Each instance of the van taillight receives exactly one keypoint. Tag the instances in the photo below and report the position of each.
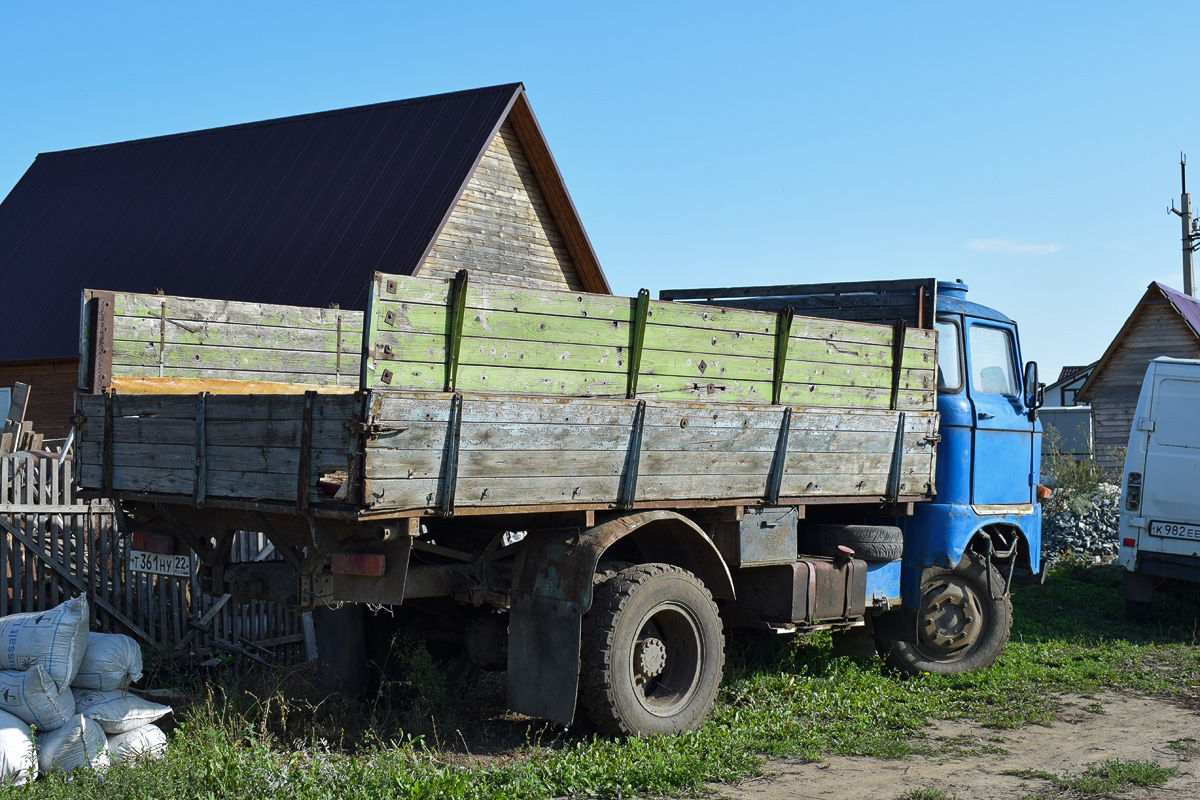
(1133, 491)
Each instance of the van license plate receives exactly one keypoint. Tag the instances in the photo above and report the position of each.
(1175, 530)
(159, 564)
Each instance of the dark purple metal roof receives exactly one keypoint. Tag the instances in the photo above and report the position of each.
(296, 211)
(1188, 307)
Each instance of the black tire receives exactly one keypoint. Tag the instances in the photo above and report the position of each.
(652, 653)
(1138, 590)
(869, 542)
(960, 626)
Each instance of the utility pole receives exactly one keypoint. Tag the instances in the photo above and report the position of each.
(1190, 235)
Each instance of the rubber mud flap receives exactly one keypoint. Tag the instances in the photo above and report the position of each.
(543, 657)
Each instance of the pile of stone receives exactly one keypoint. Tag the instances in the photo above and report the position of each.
(65, 701)
(1082, 526)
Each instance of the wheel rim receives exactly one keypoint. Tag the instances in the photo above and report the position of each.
(952, 618)
(664, 661)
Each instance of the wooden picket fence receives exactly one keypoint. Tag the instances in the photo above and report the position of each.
(54, 546)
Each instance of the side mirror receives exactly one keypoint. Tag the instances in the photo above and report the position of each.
(1033, 390)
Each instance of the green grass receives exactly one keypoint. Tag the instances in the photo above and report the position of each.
(1107, 778)
(442, 731)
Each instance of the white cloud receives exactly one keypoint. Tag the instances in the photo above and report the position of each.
(1013, 246)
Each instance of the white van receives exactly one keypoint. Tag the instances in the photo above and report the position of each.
(1160, 497)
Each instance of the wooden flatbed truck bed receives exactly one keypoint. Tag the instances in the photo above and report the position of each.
(463, 447)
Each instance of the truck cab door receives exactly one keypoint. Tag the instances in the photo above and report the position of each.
(1003, 436)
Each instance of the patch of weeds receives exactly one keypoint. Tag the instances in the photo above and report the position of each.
(1184, 748)
(926, 793)
(966, 745)
(1109, 777)
(1094, 708)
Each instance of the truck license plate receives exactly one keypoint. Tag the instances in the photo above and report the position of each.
(1175, 530)
(159, 564)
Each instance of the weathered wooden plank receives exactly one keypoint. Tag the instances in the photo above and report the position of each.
(193, 386)
(237, 484)
(284, 461)
(223, 407)
(483, 492)
(204, 374)
(266, 433)
(574, 438)
(539, 463)
(753, 345)
(232, 312)
(216, 334)
(567, 383)
(396, 407)
(184, 358)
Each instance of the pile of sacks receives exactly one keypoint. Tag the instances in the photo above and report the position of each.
(71, 687)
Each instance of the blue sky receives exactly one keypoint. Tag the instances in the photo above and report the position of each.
(1030, 149)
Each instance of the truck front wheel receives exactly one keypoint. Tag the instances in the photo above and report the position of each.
(652, 652)
(960, 627)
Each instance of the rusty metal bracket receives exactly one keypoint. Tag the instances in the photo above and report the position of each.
(458, 310)
(640, 313)
(337, 367)
(302, 472)
(162, 338)
(200, 482)
(893, 484)
(899, 329)
(106, 458)
(633, 457)
(448, 480)
(783, 333)
(779, 462)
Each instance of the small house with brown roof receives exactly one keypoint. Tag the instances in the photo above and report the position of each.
(295, 211)
(1163, 323)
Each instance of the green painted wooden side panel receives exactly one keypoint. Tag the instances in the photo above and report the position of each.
(157, 336)
(572, 344)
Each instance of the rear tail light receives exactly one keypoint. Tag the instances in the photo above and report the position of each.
(357, 564)
(1133, 491)
(153, 542)
(1128, 542)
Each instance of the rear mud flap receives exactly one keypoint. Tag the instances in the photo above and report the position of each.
(543, 657)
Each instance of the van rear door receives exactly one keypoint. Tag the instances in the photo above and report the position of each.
(1171, 478)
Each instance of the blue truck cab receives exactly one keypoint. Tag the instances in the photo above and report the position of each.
(989, 453)
(944, 605)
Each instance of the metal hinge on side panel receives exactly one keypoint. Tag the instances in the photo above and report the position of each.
(1144, 424)
(372, 429)
(1032, 478)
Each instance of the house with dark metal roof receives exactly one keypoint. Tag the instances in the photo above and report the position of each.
(295, 211)
(1165, 322)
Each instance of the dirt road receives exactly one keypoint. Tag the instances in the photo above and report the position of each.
(1090, 731)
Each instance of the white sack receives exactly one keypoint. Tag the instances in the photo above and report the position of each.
(33, 697)
(18, 759)
(112, 661)
(118, 711)
(147, 741)
(79, 743)
(56, 639)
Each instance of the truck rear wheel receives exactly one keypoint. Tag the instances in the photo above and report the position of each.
(960, 626)
(652, 653)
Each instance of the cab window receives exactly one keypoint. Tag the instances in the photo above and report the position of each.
(949, 356)
(992, 362)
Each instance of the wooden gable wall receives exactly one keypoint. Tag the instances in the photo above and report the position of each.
(502, 228)
(1156, 330)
